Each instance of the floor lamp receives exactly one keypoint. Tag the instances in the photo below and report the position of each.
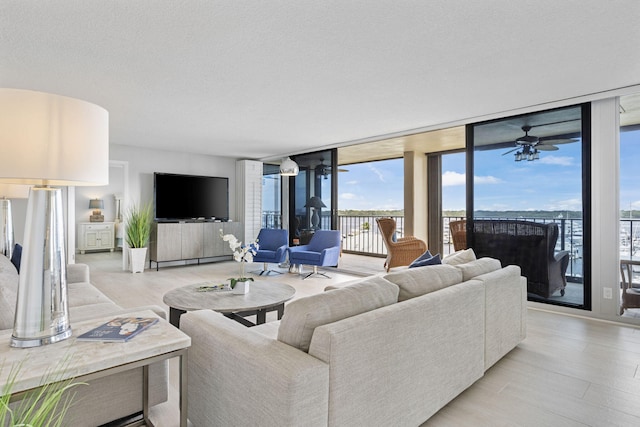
(48, 141)
(8, 192)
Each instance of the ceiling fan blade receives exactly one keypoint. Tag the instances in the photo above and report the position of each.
(541, 147)
(559, 141)
(510, 151)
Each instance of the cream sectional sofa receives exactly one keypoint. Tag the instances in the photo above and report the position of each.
(106, 399)
(386, 350)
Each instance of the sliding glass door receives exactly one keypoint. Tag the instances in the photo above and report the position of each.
(534, 169)
(312, 195)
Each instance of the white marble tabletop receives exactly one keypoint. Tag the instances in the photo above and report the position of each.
(262, 294)
(71, 358)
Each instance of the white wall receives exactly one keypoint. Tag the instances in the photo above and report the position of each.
(105, 193)
(144, 162)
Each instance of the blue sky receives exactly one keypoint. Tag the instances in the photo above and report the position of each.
(551, 183)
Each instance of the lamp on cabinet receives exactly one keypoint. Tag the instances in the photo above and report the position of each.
(96, 205)
(48, 141)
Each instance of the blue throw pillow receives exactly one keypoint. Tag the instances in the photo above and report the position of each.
(426, 255)
(434, 260)
(394, 238)
(16, 256)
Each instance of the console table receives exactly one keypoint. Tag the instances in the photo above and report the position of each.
(90, 359)
(190, 240)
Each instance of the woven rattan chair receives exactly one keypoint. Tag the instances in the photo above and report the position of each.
(458, 231)
(400, 251)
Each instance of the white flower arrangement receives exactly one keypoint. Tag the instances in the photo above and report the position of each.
(241, 253)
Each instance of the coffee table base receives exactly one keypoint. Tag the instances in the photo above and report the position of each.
(261, 315)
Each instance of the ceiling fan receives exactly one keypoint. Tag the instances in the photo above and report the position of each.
(325, 170)
(529, 146)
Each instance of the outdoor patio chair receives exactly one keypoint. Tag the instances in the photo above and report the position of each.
(458, 233)
(400, 250)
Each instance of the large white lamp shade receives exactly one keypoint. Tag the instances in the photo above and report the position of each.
(48, 140)
(8, 192)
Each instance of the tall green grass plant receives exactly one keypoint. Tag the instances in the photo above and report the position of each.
(139, 219)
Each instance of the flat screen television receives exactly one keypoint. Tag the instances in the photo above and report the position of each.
(182, 197)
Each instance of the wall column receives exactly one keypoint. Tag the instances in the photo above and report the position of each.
(415, 195)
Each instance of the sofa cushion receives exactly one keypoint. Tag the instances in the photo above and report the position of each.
(83, 293)
(460, 257)
(304, 315)
(420, 281)
(432, 260)
(480, 266)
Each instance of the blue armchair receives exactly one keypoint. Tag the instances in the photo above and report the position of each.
(323, 250)
(272, 248)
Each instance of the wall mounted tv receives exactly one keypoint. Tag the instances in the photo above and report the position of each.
(183, 197)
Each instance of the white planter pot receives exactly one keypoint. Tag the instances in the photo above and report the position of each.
(241, 287)
(137, 259)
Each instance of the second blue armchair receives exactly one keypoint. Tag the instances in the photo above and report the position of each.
(322, 250)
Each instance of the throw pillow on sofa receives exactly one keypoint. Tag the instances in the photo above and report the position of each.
(478, 267)
(415, 282)
(302, 316)
(460, 257)
(426, 259)
(16, 256)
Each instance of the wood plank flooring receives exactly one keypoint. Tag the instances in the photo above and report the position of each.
(569, 371)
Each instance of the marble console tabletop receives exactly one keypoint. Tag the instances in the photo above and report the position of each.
(86, 357)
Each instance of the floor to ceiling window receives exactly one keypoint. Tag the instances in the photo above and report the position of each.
(271, 196)
(529, 170)
(630, 206)
(311, 195)
(453, 194)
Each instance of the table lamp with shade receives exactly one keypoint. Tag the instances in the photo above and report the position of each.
(8, 192)
(48, 140)
(97, 205)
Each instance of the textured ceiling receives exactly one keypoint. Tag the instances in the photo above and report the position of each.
(257, 79)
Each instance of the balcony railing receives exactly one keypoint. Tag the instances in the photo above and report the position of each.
(360, 235)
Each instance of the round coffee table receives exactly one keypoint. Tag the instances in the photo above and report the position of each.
(263, 296)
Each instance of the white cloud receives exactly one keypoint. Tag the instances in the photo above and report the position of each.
(451, 179)
(354, 182)
(486, 180)
(556, 160)
(348, 196)
(377, 172)
(568, 204)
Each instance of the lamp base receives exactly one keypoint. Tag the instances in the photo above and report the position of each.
(42, 313)
(37, 342)
(96, 218)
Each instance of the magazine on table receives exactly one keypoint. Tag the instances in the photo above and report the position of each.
(119, 329)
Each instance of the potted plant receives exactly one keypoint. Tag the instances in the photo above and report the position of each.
(138, 231)
(241, 253)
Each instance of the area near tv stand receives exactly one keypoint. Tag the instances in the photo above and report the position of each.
(196, 240)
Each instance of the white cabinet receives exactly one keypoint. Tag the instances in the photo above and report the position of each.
(96, 236)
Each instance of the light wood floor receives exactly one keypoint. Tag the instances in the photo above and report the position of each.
(569, 371)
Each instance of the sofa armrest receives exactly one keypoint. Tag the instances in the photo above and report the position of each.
(240, 377)
(77, 273)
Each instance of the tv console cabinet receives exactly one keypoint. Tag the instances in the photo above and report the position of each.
(190, 240)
